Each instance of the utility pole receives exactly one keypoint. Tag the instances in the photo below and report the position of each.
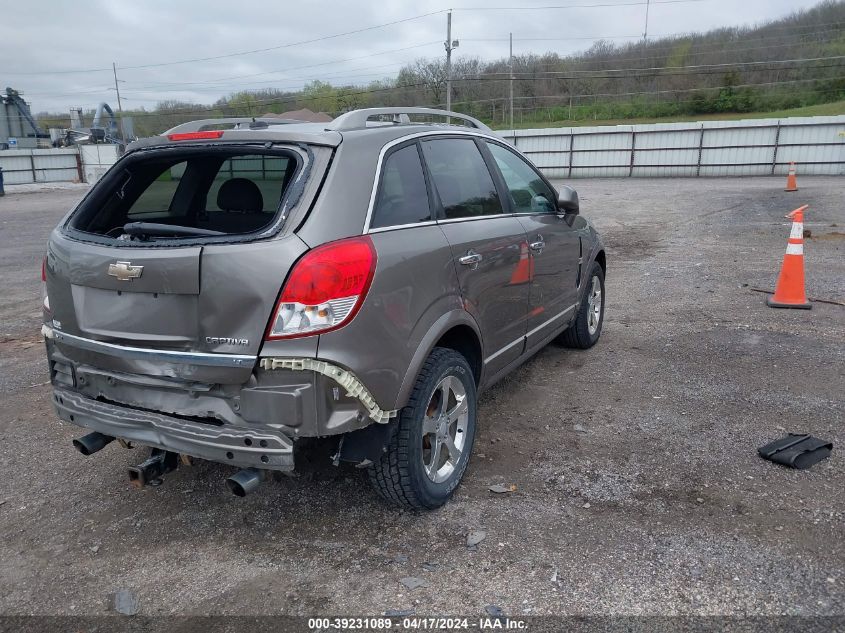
(511, 81)
(645, 32)
(449, 44)
(119, 104)
(117, 88)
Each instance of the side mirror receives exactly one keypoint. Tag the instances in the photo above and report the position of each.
(567, 200)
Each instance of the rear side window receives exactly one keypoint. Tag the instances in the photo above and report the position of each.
(402, 197)
(461, 178)
(155, 202)
(225, 192)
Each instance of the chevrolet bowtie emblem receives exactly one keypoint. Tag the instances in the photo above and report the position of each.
(125, 271)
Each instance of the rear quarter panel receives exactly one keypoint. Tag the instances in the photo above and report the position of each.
(414, 286)
(341, 209)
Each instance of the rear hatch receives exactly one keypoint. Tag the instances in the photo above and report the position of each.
(172, 264)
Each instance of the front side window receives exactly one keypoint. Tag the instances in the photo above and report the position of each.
(528, 192)
(402, 197)
(461, 178)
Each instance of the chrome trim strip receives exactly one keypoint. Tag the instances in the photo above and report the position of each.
(521, 339)
(554, 318)
(476, 218)
(140, 353)
(399, 141)
(399, 227)
(534, 331)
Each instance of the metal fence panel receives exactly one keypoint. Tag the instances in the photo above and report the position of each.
(96, 160)
(710, 148)
(17, 166)
(39, 165)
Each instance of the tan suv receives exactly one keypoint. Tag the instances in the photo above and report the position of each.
(235, 285)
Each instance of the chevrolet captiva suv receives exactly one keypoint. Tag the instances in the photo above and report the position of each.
(233, 286)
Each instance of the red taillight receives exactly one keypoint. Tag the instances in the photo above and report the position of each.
(325, 289)
(196, 136)
(45, 300)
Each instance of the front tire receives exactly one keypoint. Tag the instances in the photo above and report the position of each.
(586, 329)
(426, 458)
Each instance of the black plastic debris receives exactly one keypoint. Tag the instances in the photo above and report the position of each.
(796, 450)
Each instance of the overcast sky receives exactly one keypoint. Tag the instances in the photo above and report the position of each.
(42, 41)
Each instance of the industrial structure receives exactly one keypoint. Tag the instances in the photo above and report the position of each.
(18, 129)
(99, 132)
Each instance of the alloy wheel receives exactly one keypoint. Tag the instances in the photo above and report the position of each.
(444, 429)
(594, 307)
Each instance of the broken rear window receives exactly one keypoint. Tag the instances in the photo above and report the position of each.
(169, 195)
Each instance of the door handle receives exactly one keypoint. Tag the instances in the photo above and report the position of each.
(538, 246)
(471, 259)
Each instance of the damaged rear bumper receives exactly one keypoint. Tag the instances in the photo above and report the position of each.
(142, 395)
(227, 444)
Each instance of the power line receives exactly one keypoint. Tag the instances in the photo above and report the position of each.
(702, 70)
(241, 53)
(646, 92)
(672, 37)
(272, 72)
(697, 48)
(638, 3)
(697, 66)
(618, 54)
(273, 101)
(289, 45)
(332, 75)
(352, 93)
(639, 76)
(210, 83)
(351, 32)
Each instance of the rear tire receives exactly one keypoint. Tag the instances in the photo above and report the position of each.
(586, 329)
(426, 458)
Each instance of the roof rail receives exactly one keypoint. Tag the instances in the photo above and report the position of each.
(202, 124)
(357, 119)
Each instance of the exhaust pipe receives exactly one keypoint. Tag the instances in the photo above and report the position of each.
(245, 481)
(159, 463)
(91, 443)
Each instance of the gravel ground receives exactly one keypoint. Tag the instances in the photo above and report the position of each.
(638, 486)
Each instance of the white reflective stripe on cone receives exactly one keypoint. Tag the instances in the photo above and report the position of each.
(797, 230)
(794, 249)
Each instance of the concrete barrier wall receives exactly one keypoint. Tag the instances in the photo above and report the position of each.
(754, 147)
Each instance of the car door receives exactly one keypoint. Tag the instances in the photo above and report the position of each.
(488, 246)
(554, 246)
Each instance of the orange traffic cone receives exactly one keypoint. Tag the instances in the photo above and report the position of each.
(789, 292)
(524, 271)
(791, 180)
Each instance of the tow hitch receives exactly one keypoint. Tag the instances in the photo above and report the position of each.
(149, 472)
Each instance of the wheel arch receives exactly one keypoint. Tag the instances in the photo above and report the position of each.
(455, 330)
(601, 258)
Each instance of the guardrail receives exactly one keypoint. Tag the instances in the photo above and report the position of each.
(753, 147)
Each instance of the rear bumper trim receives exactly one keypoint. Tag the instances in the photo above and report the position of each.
(141, 353)
(239, 446)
